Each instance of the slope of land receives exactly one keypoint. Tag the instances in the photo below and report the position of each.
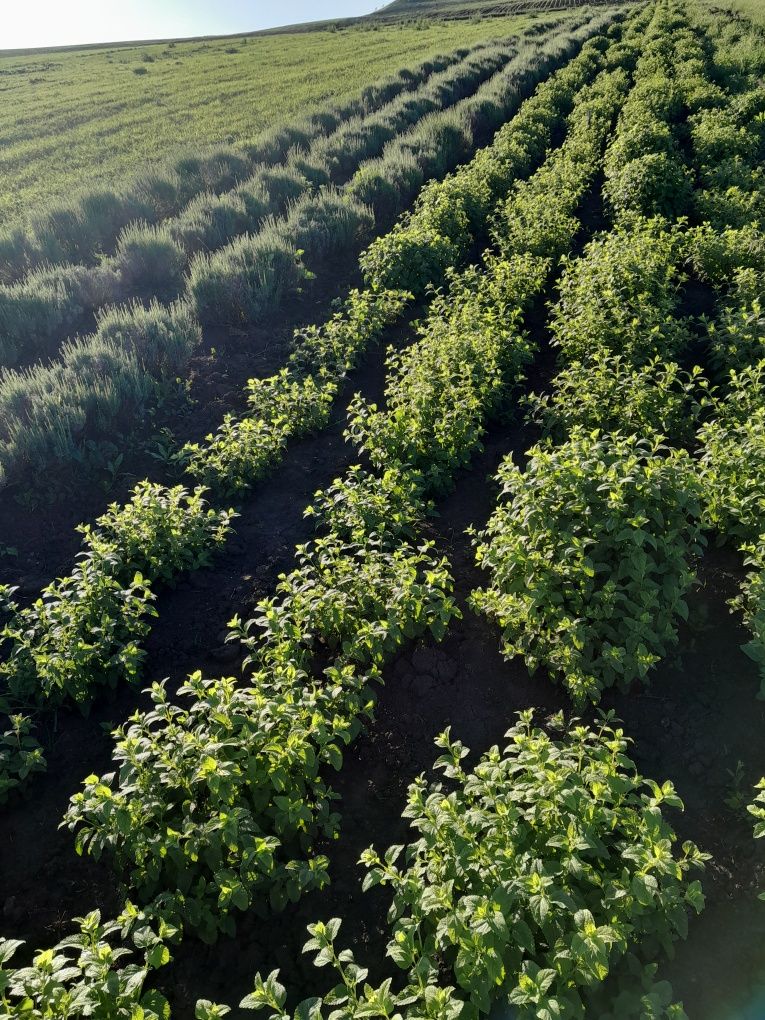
(752, 9)
(122, 107)
(407, 9)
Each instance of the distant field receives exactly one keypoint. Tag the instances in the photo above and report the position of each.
(71, 118)
(469, 8)
(754, 9)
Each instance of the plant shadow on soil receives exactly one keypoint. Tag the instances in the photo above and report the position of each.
(42, 530)
(698, 717)
(695, 721)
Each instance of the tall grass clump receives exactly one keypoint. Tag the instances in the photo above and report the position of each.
(209, 221)
(283, 185)
(98, 383)
(245, 280)
(163, 338)
(80, 229)
(149, 261)
(311, 166)
(50, 302)
(326, 223)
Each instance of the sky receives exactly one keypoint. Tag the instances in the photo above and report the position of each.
(28, 23)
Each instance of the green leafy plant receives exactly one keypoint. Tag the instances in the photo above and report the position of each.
(533, 878)
(732, 457)
(20, 753)
(622, 296)
(243, 449)
(84, 632)
(224, 799)
(605, 392)
(590, 557)
(85, 975)
(160, 532)
(297, 399)
(441, 390)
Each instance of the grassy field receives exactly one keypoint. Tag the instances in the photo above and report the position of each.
(467, 8)
(122, 107)
(753, 9)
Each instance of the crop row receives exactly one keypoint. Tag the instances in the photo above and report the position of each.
(365, 585)
(283, 406)
(83, 228)
(47, 410)
(240, 450)
(151, 260)
(333, 622)
(474, 891)
(591, 551)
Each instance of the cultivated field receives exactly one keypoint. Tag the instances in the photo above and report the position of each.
(420, 599)
(751, 9)
(120, 108)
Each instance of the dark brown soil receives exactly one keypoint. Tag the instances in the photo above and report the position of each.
(698, 718)
(39, 522)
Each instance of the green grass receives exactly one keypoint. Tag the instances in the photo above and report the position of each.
(72, 118)
(468, 8)
(752, 9)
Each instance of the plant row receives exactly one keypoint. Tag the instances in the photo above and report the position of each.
(591, 550)
(285, 405)
(151, 260)
(251, 759)
(85, 631)
(545, 935)
(46, 411)
(243, 447)
(89, 225)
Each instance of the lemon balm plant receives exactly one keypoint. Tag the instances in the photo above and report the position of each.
(733, 457)
(731, 461)
(605, 391)
(88, 973)
(441, 390)
(534, 877)
(20, 753)
(220, 802)
(295, 400)
(84, 632)
(590, 556)
(160, 531)
(622, 295)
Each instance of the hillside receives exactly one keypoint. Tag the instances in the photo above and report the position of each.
(462, 9)
(73, 118)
